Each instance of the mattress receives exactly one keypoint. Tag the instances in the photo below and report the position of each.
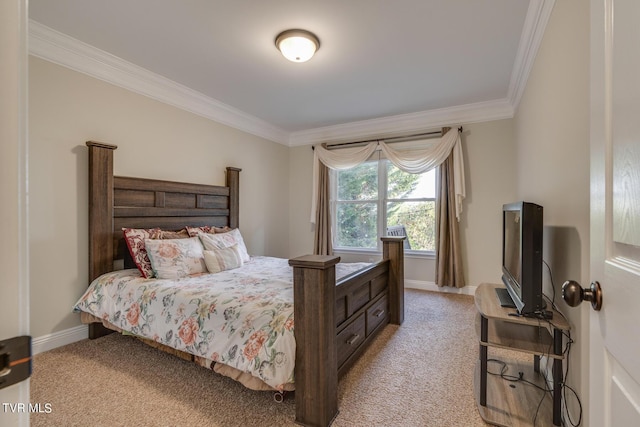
(240, 318)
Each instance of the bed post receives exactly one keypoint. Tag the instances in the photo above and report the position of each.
(316, 369)
(100, 216)
(233, 182)
(393, 250)
(100, 208)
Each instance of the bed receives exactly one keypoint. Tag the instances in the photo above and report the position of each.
(337, 311)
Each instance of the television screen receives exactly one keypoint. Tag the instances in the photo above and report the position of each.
(512, 244)
(522, 255)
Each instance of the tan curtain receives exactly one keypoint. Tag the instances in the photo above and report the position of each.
(339, 160)
(322, 241)
(449, 270)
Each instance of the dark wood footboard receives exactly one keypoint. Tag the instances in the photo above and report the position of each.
(335, 322)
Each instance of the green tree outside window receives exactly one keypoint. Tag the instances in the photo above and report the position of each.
(378, 187)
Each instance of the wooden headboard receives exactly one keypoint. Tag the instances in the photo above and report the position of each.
(116, 202)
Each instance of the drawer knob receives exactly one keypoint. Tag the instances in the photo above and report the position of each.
(353, 339)
(378, 313)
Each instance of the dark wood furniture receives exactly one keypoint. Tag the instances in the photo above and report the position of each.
(334, 322)
(506, 403)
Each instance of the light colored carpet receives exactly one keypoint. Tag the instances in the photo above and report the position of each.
(418, 374)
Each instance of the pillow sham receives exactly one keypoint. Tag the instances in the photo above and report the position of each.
(135, 239)
(164, 234)
(194, 231)
(222, 259)
(175, 258)
(225, 240)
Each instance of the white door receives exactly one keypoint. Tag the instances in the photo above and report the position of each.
(14, 289)
(615, 212)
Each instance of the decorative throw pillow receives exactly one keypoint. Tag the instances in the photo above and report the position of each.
(225, 240)
(164, 234)
(135, 238)
(175, 258)
(194, 231)
(222, 259)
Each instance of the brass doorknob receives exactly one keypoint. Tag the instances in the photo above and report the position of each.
(574, 294)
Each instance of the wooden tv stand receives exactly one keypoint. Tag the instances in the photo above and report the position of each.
(508, 403)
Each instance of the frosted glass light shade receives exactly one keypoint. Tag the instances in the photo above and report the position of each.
(297, 45)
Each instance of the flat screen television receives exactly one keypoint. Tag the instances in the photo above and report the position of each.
(522, 255)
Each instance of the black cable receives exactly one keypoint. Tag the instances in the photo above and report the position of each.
(544, 376)
(566, 352)
(553, 287)
(579, 405)
(511, 378)
(565, 386)
(535, 417)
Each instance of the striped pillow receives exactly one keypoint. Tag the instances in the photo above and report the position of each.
(223, 259)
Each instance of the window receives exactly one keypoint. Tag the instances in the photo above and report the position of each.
(376, 197)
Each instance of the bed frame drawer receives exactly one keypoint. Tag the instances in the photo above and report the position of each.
(350, 338)
(378, 284)
(359, 298)
(354, 297)
(377, 314)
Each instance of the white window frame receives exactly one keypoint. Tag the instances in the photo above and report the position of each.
(381, 208)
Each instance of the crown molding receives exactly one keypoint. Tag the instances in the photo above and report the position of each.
(535, 24)
(61, 49)
(406, 123)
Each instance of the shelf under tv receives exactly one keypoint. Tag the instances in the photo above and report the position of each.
(506, 403)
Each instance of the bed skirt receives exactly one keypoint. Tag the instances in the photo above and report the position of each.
(247, 380)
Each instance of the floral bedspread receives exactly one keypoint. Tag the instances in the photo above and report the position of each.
(241, 317)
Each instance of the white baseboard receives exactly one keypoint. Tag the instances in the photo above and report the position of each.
(431, 286)
(58, 339)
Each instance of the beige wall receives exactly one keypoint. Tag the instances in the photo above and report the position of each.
(490, 171)
(489, 163)
(552, 138)
(300, 183)
(154, 140)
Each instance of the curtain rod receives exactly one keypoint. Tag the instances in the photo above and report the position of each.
(434, 134)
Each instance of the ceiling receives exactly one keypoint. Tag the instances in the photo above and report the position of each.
(382, 66)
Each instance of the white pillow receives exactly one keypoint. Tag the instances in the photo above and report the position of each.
(222, 259)
(224, 240)
(175, 258)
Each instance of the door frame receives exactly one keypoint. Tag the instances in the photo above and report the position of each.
(14, 312)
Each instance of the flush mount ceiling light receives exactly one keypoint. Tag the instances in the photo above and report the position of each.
(297, 45)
